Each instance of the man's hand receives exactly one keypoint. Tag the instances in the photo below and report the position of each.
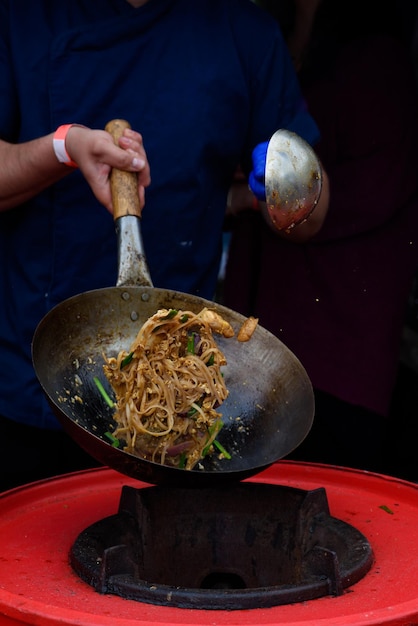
(96, 154)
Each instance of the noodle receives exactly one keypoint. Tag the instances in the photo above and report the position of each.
(168, 387)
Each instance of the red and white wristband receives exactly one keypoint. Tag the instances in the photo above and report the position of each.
(58, 144)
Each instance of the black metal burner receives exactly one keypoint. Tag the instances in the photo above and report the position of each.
(252, 545)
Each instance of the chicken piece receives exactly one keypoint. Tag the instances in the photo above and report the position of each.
(247, 329)
(217, 323)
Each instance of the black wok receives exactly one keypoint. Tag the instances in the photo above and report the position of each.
(270, 406)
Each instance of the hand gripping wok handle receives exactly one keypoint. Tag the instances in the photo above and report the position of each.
(123, 185)
(132, 264)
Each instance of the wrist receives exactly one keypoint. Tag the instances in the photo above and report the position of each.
(58, 143)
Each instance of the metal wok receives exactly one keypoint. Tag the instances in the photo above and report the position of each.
(270, 406)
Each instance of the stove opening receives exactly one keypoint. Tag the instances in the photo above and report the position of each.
(221, 580)
(251, 545)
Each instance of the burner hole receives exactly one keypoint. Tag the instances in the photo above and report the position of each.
(222, 580)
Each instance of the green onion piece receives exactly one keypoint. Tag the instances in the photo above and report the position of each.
(221, 449)
(113, 439)
(211, 359)
(182, 460)
(216, 427)
(192, 411)
(212, 430)
(172, 313)
(190, 343)
(102, 390)
(386, 509)
(126, 360)
(184, 318)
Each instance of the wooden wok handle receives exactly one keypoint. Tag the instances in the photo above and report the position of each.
(123, 185)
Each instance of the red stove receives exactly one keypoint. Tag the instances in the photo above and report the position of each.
(42, 525)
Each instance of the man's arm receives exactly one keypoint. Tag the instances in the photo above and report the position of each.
(29, 168)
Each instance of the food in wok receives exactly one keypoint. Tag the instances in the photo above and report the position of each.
(169, 386)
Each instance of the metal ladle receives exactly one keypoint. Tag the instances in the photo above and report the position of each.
(293, 179)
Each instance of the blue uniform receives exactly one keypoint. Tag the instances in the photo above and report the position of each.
(204, 81)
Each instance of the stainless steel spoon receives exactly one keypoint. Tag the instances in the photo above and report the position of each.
(293, 179)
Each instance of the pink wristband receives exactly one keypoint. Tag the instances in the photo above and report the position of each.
(58, 143)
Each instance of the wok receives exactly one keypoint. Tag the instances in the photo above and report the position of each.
(270, 406)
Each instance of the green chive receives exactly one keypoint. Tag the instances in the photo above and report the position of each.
(113, 439)
(221, 449)
(190, 343)
(216, 427)
(126, 360)
(184, 318)
(172, 313)
(102, 390)
(182, 460)
(386, 509)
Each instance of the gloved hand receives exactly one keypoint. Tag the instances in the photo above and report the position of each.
(256, 179)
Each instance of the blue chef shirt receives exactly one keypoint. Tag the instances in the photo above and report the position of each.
(203, 81)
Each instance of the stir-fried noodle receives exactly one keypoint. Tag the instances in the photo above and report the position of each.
(168, 387)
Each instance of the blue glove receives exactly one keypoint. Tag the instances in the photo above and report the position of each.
(256, 179)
